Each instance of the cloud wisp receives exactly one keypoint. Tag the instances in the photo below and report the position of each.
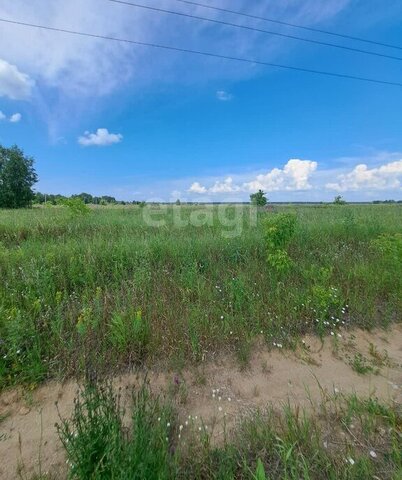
(224, 96)
(87, 67)
(13, 83)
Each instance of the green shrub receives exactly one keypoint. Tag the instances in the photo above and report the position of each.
(279, 230)
(76, 206)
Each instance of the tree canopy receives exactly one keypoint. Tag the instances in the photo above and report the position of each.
(17, 176)
(258, 198)
(338, 200)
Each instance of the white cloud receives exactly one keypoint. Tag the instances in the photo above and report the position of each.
(13, 83)
(385, 177)
(101, 138)
(15, 117)
(196, 187)
(294, 176)
(227, 186)
(223, 96)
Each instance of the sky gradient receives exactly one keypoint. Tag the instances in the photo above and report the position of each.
(140, 123)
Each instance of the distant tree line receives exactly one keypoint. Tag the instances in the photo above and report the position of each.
(55, 199)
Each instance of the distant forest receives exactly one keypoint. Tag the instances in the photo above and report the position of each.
(87, 198)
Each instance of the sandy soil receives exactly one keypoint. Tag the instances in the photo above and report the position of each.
(28, 439)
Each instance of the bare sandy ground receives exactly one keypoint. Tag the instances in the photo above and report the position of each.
(211, 393)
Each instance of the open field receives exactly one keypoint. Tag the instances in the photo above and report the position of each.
(179, 290)
(108, 290)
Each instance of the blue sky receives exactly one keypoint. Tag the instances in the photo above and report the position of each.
(139, 123)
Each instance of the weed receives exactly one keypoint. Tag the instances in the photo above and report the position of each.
(360, 364)
(379, 359)
(279, 230)
(98, 446)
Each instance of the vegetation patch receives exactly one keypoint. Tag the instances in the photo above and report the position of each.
(106, 290)
(346, 438)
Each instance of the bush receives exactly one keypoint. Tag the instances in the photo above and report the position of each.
(279, 230)
(259, 199)
(76, 206)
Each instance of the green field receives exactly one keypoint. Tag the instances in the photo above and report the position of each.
(107, 290)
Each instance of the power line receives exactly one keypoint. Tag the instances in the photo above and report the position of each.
(288, 24)
(201, 53)
(254, 29)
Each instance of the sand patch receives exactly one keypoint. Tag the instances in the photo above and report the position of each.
(214, 393)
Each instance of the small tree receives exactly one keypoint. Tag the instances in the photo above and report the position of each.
(76, 205)
(259, 199)
(17, 176)
(338, 200)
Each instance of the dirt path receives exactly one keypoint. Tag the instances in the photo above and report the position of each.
(28, 437)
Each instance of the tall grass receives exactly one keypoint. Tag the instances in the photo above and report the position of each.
(98, 445)
(107, 291)
(347, 438)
